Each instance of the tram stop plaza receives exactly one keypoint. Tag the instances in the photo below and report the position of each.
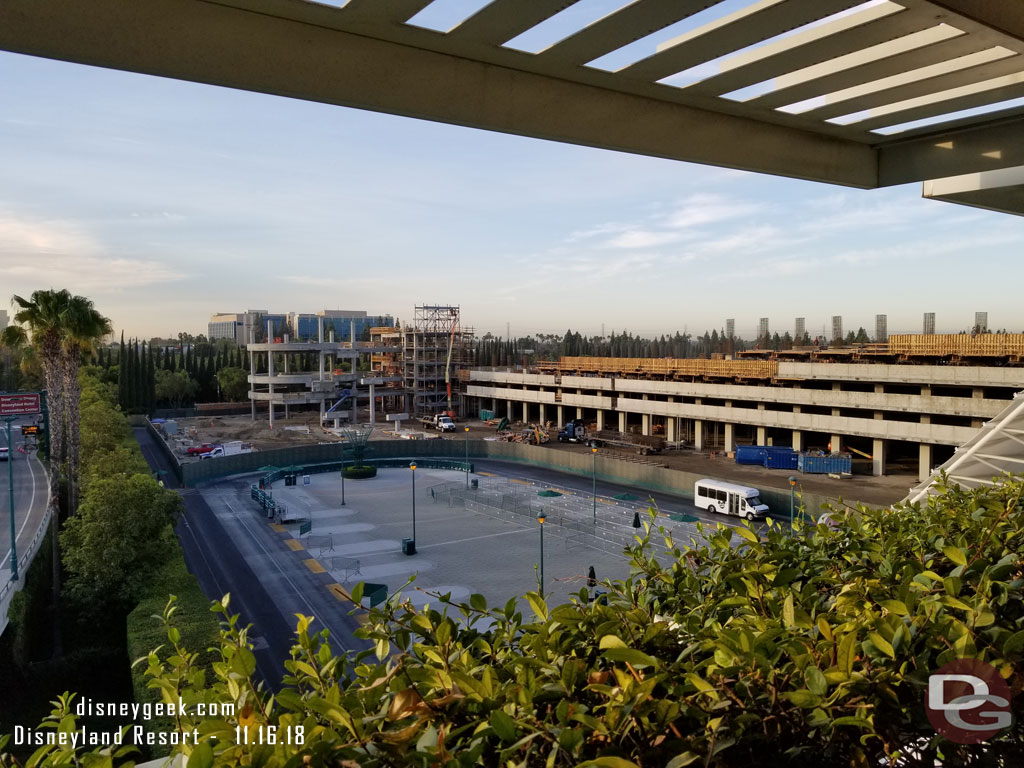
(491, 546)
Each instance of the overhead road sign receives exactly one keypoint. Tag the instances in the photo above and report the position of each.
(20, 404)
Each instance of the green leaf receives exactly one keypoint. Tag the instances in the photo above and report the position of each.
(357, 592)
(846, 653)
(682, 760)
(854, 721)
(1014, 643)
(955, 554)
(788, 613)
(746, 533)
(803, 698)
(816, 682)
(611, 641)
(895, 606)
(631, 656)
(882, 644)
(503, 725)
(479, 602)
(538, 605)
(609, 762)
(202, 756)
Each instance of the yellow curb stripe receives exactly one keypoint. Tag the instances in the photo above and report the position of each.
(605, 501)
(521, 482)
(278, 527)
(314, 565)
(487, 474)
(293, 545)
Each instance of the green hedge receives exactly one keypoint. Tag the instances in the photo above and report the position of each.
(363, 472)
(200, 629)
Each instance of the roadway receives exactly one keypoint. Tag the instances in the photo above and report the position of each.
(30, 496)
(230, 549)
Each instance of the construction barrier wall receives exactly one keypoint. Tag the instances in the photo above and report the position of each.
(161, 443)
(609, 469)
(741, 369)
(962, 344)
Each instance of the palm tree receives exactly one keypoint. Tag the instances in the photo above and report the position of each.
(58, 326)
(84, 327)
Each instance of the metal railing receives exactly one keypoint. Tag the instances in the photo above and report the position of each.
(24, 561)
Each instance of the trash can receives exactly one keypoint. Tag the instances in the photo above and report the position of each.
(408, 546)
(474, 483)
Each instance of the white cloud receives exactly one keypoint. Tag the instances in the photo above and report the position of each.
(39, 253)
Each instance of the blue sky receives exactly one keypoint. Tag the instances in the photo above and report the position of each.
(165, 201)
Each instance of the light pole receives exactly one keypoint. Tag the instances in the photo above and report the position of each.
(594, 451)
(467, 458)
(412, 466)
(343, 482)
(540, 519)
(792, 498)
(10, 485)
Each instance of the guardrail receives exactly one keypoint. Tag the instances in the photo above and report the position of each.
(24, 561)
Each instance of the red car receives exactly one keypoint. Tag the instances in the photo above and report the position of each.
(199, 450)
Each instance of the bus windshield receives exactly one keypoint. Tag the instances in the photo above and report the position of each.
(754, 501)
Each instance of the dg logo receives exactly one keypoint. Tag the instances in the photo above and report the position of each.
(968, 701)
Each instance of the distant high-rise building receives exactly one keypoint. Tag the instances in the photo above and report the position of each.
(730, 328)
(762, 328)
(881, 328)
(800, 329)
(981, 322)
(3, 318)
(929, 323)
(837, 327)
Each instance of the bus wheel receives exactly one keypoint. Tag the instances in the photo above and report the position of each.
(712, 508)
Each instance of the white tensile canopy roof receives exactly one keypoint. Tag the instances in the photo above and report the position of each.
(995, 451)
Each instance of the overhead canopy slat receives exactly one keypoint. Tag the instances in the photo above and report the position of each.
(753, 24)
(919, 88)
(624, 26)
(871, 69)
(501, 20)
(383, 11)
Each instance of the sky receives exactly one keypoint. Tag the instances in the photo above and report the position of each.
(165, 201)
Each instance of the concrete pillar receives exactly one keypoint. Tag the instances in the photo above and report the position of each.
(646, 424)
(252, 372)
(926, 390)
(600, 418)
(270, 371)
(286, 413)
(560, 415)
(526, 413)
(698, 434)
(878, 458)
(670, 429)
(373, 410)
(543, 415)
(798, 440)
(510, 412)
(622, 421)
(579, 413)
(879, 389)
(924, 461)
(287, 367)
(761, 432)
(730, 444)
(836, 444)
(978, 393)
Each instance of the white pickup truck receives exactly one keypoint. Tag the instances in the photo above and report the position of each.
(442, 422)
(228, 449)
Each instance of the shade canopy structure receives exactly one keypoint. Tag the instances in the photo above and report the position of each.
(549, 494)
(994, 452)
(853, 92)
(626, 497)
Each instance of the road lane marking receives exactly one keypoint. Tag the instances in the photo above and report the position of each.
(473, 538)
(340, 592)
(278, 527)
(487, 474)
(314, 565)
(293, 545)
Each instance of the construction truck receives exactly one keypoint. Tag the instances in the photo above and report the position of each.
(576, 432)
(442, 422)
(228, 449)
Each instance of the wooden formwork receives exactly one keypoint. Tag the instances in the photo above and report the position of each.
(958, 344)
(726, 369)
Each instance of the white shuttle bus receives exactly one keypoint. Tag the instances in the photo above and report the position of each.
(728, 499)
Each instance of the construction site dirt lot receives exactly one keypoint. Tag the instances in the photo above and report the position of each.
(304, 429)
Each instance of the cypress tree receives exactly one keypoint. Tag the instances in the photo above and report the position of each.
(122, 379)
(150, 380)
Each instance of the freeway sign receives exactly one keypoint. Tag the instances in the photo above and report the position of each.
(19, 404)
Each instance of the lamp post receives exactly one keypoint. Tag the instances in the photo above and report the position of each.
(540, 519)
(594, 451)
(792, 498)
(412, 466)
(467, 458)
(10, 485)
(343, 482)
